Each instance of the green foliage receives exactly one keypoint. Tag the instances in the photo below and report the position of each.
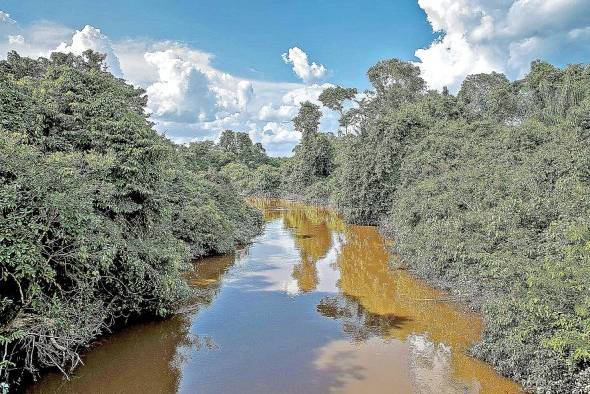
(387, 127)
(307, 119)
(241, 149)
(266, 180)
(238, 162)
(313, 158)
(334, 98)
(488, 95)
(239, 175)
(397, 77)
(99, 214)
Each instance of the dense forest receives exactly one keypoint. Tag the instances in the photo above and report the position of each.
(99, 214)
(486, 194)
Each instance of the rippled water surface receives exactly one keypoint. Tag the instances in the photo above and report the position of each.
(309, 307)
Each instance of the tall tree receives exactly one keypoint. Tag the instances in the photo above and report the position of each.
(334, 98)
(314, 155)
(240, 147)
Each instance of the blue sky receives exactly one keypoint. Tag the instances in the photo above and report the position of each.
(247, 65)
(246, 36)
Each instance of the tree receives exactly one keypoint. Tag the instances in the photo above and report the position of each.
(488, 95)
(307, 119)
(316, 153)
(396, 74)
(266, 181)
(240, 146)
(334, 98)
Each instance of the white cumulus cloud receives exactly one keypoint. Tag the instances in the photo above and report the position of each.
(182, 91)
(501, 35)
(16, 39)
(273, 112)
(311, 93)
(301, 67)
(92, 38)
(190, 99)
(275, 133)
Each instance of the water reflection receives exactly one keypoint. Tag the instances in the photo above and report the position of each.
(357, 322)
(375, 304)
(310, 307)
(313, 240)
(431, 368)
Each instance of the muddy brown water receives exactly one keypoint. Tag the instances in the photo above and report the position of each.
(310, 307)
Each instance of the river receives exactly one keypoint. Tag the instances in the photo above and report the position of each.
(310, 307)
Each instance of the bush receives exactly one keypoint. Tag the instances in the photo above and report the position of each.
(99, 213)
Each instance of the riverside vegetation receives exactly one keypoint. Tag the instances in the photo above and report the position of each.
(99, 214)
(486, 194)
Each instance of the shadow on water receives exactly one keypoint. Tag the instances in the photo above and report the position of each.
(311, 306)
(356, 321)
